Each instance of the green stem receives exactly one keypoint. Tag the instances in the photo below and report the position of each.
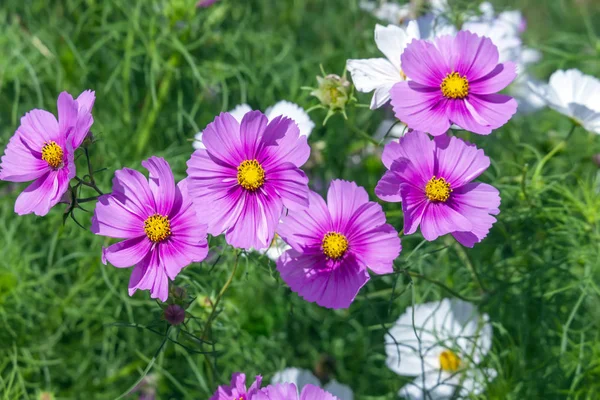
(561, 145)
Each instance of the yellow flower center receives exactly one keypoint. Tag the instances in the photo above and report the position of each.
(437, 189)
(449, 361)
(157, 228)
(335, 245)
(250, 175)
(52, 154)
(455, 86)
(403, 75)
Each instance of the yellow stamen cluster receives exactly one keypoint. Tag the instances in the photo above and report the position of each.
(437, 189)
(449, 361)
(455, 86)
(157, 228)
(334, 245)
(52, 153)
(250, 175)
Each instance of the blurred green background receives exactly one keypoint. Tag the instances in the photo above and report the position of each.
(162, 70)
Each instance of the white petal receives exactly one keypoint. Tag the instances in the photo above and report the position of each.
(374, 74)
(297, 376)
(342, 392)
(391, 40)
(293, 111)
(431, 386)
(239, 111)
(432, 26)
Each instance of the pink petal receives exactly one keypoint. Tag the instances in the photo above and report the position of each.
(20, 164)
(112, 219)
(257, 220)
(494, 109)
(477, 55)
(414, 206)
(495, 81)
(281, 142)
(476, 195)
(149, 275)
(420, 107)
(251, 129)
(127, 253)
(423, 63)
(86, 100)
(291, 184)
(388, 187)
(343, 199)
(306, 228)
(440, 219)
(161, 183)
(482, 223)
(222, 140)
(67, 113)
(312, 279)
(37, 128)
(131, 188)
(458, 162)
(312, 392)
(42, 194)
(377, 248)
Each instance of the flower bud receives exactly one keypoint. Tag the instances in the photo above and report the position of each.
(174, 314)
(333, 91)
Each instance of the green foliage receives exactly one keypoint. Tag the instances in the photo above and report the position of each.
(162, 70)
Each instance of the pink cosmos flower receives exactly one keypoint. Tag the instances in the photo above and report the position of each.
(333, 244)
(454, 79)
(158, 221)
(247, 174)
(288, 391)
(42, 150)
(237, 389)
(432, 179)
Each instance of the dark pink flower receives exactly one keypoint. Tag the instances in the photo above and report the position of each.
(42, 150)
(247, 174)
(334, 244)
(454, 79)
(158, 221)
(289, 391)
(237, 389)
(433, 180)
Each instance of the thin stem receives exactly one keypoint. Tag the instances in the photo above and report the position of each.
(87, 199)
(440, 284)
(221, 293)
(561, 145)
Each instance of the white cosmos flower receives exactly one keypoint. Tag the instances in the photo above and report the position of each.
(454, 339)
(285, 108)
(302, 377)
(575, 95)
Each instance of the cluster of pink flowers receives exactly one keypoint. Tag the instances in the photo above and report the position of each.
(246, 181)
(282, 391)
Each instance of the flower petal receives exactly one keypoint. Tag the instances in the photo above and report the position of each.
(391, 40)
(306, 228)
(330, 287)
(281, 142)
(343, 200)
(494, 109)
(388, 187)
(476, 57)
(161, 183)
(495, 81)
(420, 107)
(423, 63)
(127, 253)
(294, 112)
(132, 190)
(377, 248)
(44, 193)
(222, 140)
(376, 74)
(19, 163)
(112, 219)
(458, 162)
(440, 219)
(67, 113)
(251, 129)
(291, 185)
